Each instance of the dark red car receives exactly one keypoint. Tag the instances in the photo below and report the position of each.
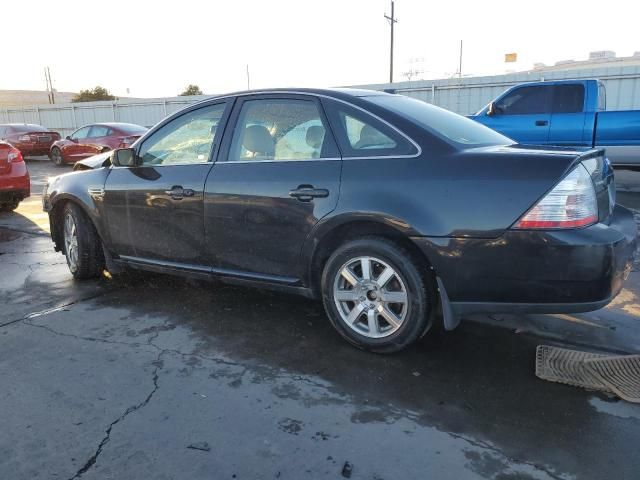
(29, 138)
(93, 139)
(15, 185)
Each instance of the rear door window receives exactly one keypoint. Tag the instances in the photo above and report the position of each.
(568, 98)
(277, 129)
(526, 101)
(99, 131)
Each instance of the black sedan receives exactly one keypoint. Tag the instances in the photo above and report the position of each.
(385, 207)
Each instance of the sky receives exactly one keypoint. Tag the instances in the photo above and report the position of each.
(156, 48)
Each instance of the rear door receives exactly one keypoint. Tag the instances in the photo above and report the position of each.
(154, 211)
(278, 174)
(95, 142)
(524, 114)
(568, 118)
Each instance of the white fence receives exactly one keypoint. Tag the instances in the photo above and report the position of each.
(67, 117)
(468, 95)
(464, 96)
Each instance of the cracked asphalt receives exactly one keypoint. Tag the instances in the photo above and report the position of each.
(158, 377)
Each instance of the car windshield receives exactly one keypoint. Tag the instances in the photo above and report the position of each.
(131, 129)
(455, 128)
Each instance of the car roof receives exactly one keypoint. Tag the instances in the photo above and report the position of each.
(20, 125)
(339, 93)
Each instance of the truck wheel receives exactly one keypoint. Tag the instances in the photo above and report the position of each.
(375, 295)
(82, 246)
(56, 157)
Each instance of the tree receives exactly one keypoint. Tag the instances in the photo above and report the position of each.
(98, 93)
(191, 90)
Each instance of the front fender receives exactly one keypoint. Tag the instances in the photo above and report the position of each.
(84, 188)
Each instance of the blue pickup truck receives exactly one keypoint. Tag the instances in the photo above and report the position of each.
(565, 112)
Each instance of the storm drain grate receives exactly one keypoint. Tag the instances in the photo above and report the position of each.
(566, 366)
(616, 374)
(620, 374)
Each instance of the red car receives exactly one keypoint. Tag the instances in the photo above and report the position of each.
(93, 139)
(29, 138)
(15, 185)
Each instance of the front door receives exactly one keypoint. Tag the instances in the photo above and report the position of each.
(72, 150)
(524, 115)
(277, 175)
(155, 209)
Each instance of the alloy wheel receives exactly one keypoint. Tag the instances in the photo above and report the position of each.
(71, 241)
(371, 297)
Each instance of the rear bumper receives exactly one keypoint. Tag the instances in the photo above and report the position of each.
(15, 183)
(536, 271)
(33, 149)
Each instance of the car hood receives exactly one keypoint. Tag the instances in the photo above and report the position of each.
(96, 161)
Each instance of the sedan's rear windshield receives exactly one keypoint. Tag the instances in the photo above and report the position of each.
(29, 127)
(455, 128)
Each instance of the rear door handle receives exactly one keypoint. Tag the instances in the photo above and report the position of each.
(306, 193)
(541, 123)
(178, 193)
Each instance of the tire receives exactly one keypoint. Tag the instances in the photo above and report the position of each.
(56, 156)
(9, 206)
(389, 326)
(82, 246)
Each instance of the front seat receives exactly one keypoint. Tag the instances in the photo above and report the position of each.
(315, 137)
(259, 141)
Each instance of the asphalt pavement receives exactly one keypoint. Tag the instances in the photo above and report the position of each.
(158, 377)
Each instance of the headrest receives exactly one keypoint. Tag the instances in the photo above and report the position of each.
(257, 139)
(315, 136)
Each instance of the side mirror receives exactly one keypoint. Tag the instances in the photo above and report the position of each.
(124, 157)
(68, 137)
(492, 109)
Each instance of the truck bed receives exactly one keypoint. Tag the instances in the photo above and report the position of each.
(619, 133)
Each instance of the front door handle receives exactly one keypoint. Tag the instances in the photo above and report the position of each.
(178, 193)
(306, 193)
(541, 123)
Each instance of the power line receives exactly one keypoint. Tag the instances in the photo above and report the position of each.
(392, 20)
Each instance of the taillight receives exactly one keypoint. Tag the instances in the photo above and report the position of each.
(127, 141)
(572, 203)
(15, 156)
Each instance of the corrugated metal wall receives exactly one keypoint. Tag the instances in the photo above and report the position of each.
(464, 96)
(468, 95)
(65, 118)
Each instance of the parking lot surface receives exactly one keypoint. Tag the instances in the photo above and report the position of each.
(158, 377)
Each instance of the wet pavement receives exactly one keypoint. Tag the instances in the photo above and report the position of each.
(159, 377)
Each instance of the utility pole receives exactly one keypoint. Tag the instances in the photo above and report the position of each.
(47, 77)
(46, 81)
(392, 20)
(248, 83)
(460, 63)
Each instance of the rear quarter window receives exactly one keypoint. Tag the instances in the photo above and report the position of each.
(361, 134)
(568, 98)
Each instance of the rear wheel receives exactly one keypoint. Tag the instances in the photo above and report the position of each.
(56, 156)
(82, 246)
(9, 206)
(375, 295)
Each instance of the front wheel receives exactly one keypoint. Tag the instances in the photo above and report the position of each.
(82, 246)
(375, 295)
(56, 157)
